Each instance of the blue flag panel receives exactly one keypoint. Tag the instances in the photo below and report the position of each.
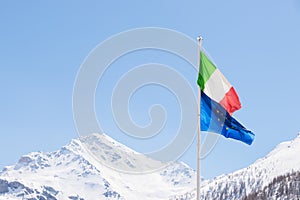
(214, 118)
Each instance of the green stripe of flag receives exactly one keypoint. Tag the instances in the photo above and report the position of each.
(207, 68)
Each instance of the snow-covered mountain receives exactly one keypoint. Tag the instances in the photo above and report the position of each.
(281, 188)
(72, 173)
(284, 159)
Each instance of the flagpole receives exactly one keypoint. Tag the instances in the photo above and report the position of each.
(199, 126)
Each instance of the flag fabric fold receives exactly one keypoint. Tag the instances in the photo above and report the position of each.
(218, 101)
(214, 118)
(216, 86)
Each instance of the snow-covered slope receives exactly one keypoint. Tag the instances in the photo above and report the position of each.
(72, 173)
(118, 156)
(281, 188)
(285, 158)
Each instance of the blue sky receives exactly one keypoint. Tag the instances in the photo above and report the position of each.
(255, 44)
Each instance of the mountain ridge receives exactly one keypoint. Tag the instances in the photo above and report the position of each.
(283, 159)
(72, 172)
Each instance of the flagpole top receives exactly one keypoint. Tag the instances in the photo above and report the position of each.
(199, 38)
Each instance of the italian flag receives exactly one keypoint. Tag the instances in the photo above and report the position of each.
(214, 84)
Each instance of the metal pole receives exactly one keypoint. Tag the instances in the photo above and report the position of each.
(199, 127)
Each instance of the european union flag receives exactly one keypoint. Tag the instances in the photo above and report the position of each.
(214, 118)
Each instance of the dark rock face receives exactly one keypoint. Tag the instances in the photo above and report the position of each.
(3, 186)
(22, 191)
(16, 185)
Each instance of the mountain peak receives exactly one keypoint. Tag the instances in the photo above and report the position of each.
(72, 172)
(75, 172)
(117, 156)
